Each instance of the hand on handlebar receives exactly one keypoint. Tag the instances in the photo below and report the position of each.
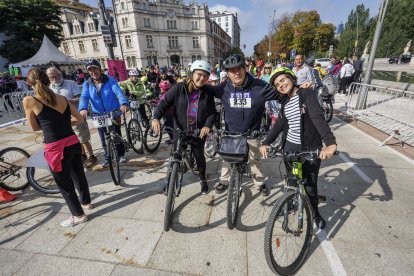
(84, 113)
(204, 132)
(264, 150)
(124, 109)
(327, 152)
(155, 125)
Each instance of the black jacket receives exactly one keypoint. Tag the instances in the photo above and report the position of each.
(177, 96)
(313, 127)
(241, 118)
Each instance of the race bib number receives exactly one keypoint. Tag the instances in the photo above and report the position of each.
(101, 121)
(241, 100)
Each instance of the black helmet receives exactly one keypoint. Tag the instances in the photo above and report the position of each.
(233, 61)
(310, 62)
(93, 63)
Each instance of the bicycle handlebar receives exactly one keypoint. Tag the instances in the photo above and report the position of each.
(193, 133)
(247, 134)
(296, 156)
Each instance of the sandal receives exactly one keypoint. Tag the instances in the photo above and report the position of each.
(72, 222)
(220, 188)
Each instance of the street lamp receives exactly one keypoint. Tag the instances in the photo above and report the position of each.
(269, 53)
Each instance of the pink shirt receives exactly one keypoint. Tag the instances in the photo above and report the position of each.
(54, 151)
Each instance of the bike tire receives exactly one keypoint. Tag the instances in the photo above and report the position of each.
(113, 158)
(327, 110)
(169, 205)
(148, 111)
(13, 159)
(278, 212)
(151, 141)
(134, 136)
(45, 184)
(233, 198)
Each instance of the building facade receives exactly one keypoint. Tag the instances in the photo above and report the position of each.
(165, 32)
(229, 23)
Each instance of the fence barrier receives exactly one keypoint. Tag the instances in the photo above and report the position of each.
(389, 110)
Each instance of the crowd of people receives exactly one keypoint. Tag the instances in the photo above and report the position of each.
(187, 100)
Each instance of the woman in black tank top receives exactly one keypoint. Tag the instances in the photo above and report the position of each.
(52, 114)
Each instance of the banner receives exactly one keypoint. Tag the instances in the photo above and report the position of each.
(117, 69)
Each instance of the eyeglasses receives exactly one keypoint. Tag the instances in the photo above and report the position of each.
(268, 68)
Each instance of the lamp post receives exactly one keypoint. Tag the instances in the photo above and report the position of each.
(269, 53)
(104, 22)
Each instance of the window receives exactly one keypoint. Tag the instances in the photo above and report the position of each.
(95, 45)
(219, 19)
(128, 41)
(77, 29)
(147, 22)
(133, 61)
(122, 6)
(144, 6)
(173, 42)
(227, 30)
(149, 41)
(227, 24)
(227, 18)
(125, 22)
(194, 25)
(195, 57)
(171, 24)
(129, 61)
(81, 46)
(195, 42)
(91, 27)
(193, 11)
(65, 48)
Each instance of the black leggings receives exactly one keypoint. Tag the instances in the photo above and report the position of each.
(197, 147)
(73, 176)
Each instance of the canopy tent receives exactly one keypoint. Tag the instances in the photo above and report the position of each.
(47, 54)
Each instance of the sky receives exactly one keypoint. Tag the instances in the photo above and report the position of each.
(255, 16)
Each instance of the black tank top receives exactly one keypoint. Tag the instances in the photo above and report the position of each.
(55, 125)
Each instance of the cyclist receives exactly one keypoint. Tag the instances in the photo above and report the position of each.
(183, 75)
(317, 80)
(265, 76)
(347, 70)
(165, 76)
(169, 113)
(194, 108)
(303, 127)
(243, 100)
(104, 95)
(152, 75)
(134, 88)
(213, 80)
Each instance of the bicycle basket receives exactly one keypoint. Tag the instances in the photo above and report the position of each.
(233, 149)
(329, 86)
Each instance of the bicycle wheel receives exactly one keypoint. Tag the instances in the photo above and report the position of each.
(12, 168)
(134, 135)
(210, 146)
(233, 197)
(148, 111)
(169, 206)
(327, 110)
(288, 233)
(151, 140)
(113, 157)
(41, 180)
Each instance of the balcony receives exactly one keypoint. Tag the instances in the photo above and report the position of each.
(174, 48)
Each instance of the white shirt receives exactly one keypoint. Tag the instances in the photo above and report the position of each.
(347, 70)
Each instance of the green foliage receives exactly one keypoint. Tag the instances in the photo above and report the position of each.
(302, 31)
(24, 22)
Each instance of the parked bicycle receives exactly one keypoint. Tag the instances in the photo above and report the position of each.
(12, 168)
(326, 96)
(288, 231)
(112, 138)
(181, 160)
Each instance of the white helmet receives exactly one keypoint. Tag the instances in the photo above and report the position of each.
(133, 72)
(200, 65)
(223, 74)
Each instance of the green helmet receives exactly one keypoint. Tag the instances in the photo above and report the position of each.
(183, 73)
(144, 79)
(282, 71)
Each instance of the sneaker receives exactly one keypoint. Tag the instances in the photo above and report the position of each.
(105, 164)
(73, 220)
(319, 221)
(220, 188)
(122, 159)
(91, 161)
(204, 187)
(264, 190)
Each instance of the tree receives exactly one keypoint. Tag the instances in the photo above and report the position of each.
(24, 22)
(357, 19)
(305, 25)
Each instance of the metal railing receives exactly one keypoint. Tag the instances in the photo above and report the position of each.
(389, 110)
(13, 102)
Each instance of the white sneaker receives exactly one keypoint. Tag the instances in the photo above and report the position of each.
(122, 159)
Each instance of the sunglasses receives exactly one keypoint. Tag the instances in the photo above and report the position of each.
(268, 68)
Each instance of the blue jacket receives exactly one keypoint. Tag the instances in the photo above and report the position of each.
(111, 96)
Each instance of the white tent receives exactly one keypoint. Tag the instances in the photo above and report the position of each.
(48, 53)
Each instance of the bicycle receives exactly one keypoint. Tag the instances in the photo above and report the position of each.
(326, 96)
(290, 221)
(235, 150)
(107, 120)
(12, 168)
(133, 128)
(211, 145)
(181, 160)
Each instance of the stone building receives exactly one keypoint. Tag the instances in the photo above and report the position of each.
(228, 22)
(164, 32)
